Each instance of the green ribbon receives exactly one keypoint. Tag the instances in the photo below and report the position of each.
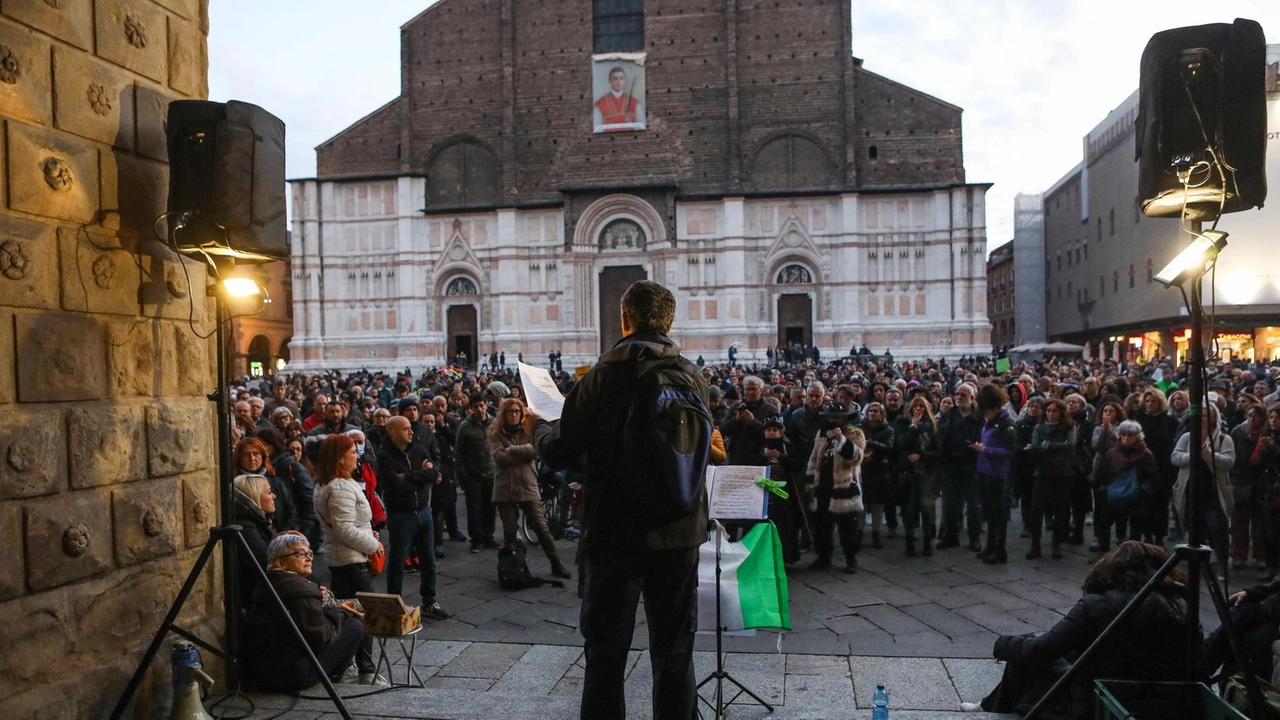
(773, 486)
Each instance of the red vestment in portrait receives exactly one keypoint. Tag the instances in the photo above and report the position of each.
(617, 110)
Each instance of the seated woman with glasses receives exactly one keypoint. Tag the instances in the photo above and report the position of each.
(272, 655)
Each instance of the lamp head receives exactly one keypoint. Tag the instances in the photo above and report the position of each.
(1189, 264)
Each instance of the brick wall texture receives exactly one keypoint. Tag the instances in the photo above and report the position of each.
(107, 484)
(725, 80)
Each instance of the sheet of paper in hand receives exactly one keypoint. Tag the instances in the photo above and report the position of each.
(541, 393)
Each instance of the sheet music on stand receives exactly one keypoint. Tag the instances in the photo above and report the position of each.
(732, 493)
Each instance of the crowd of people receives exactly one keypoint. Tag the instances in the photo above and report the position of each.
(938, 453)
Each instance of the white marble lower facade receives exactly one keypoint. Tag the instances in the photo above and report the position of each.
(379, 283)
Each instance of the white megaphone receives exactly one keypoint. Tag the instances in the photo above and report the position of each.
(187, 679)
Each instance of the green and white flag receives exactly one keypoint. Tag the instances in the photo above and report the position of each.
(753, 582)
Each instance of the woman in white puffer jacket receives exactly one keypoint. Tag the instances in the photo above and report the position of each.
(348, 535)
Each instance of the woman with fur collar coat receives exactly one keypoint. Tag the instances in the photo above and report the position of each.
(836, 494)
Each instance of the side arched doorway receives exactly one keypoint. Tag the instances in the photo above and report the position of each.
(259, 356)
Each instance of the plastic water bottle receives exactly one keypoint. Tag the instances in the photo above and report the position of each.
(880, 704)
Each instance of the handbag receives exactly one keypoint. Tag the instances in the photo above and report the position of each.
(1123, 490)
(378, 561)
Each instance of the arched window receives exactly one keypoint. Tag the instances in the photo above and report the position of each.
(463, 174)
(790, 162)
(461, 285)
(794, 275)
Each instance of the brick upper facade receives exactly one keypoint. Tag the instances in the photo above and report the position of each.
(513, 82)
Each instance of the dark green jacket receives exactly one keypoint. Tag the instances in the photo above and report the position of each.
(592, 424)
(474, 458)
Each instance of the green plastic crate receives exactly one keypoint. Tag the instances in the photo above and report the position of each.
(1129, 700)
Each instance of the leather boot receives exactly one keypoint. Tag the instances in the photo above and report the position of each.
(1034, 552)
(875, 540)
(559, 570)
(1056, 551)
(927, 547)
(911, 546)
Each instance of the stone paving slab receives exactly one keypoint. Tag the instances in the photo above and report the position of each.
(919, 684)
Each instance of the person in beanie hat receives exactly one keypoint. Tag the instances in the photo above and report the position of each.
(785, 466)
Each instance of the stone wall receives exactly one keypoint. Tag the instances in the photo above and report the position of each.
(107, 484)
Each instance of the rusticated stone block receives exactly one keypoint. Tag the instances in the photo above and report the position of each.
(134, 193)
(183, 362)
(98, 275)
(93, 99)
(179, 437)
(11, 564)
(7, 350)
(63, 358)
(28, 264)
(52, 175)
(188, 9)
(147, 520)
(132, 350)
(188, 59)
(133, 34)
(34, 447)
(70, 20)
(24, 74)
(107, 443)
(68, 538)
(199, 507)
(185, 279)
(153, 111)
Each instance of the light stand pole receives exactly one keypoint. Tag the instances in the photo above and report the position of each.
(230, 570)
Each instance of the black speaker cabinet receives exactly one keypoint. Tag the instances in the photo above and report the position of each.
(226, 180)
(1202, 109)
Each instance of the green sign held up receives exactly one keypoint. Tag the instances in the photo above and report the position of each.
(1003, 365)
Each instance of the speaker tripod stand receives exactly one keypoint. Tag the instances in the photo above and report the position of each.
(719, 676)
(224, 534)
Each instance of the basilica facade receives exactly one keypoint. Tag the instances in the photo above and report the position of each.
(544, 155)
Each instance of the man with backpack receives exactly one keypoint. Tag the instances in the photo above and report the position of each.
(640, 418)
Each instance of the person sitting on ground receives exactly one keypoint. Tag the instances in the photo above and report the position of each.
(1149, 646)
(252, 506)
(272, 656)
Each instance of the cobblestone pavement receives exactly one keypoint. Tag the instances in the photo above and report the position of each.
(923, 626)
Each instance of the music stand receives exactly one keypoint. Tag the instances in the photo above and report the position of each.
(720, 675)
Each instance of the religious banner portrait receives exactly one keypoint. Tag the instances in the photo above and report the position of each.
(617, 92)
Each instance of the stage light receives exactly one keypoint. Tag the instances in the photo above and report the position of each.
(240, 287)
(1190, 262)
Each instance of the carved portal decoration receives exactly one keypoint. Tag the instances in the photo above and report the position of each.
(99, 99)
(794, 275)
(135, 32)
(14, 263)
(76, 539)
(10, 65)
(461, 286)
(202, 511)
(622, 234)
(57, 174)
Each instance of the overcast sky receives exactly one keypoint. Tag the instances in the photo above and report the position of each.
(1032, 76)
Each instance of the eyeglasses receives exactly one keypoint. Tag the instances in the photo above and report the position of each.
(304, 554)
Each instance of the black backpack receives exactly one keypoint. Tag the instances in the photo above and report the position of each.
(667, 429)
(513, 570)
